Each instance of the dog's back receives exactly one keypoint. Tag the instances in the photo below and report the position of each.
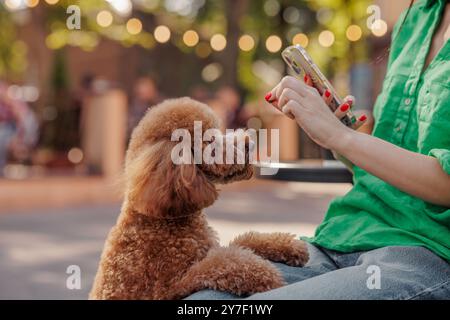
(144, 257)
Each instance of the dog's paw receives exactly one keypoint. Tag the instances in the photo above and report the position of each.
(235, 270)
(277, 247)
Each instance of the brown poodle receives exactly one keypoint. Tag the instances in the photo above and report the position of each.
(162, 246)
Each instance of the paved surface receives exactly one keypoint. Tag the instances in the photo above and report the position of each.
(36, 247)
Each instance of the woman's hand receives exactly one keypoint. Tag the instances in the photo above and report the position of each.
(302, 102)
(414, 173)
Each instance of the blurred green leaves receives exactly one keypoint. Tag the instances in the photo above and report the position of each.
(12, 51)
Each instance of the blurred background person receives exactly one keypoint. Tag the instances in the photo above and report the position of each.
(200, 92)
(227, 104)
(145, 95)
(18, 128)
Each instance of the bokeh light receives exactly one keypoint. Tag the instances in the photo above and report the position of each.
(32, 3)
(326, 38)
(274, 43)
(104, 18)
(75, 155)
(134, 26)
(51, 2)
(162, 34)
(254, 123)
(291, 15)
(212, 72)
(272, 7)
(379, 28)
(301, 39)
(14, 4)
(122, 7)
(218, 42)
(246, 42)
(324, 15)
(190, 38)
(353, 32)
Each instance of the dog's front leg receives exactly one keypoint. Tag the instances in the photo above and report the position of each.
(233, 269)
(277, 247)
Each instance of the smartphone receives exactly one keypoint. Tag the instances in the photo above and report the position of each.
(301, 63)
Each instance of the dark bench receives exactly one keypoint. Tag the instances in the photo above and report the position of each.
(325, 171)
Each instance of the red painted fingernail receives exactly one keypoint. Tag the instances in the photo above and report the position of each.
(344, 107)
(268, 96)
(305, 78)
(327, 93)
(350, 101)
(363, 118)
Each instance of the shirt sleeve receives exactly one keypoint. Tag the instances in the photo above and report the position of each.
(443, 156)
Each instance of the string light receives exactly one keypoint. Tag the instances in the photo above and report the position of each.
(353, 33)
(274, 43)
(14, 4)
(32, 3)
(121, 7)
(134, 26)
(104, 18)
(326, 38)
(218, 42)
(162, 34)
(190, 38)
(301, 39)
(379, 28)
(246, 42)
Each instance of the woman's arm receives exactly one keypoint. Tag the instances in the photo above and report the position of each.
(414, 173)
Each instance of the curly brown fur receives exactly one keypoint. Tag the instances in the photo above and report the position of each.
(277, 246)
(161, 246)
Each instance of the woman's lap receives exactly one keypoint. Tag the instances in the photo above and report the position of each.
(385, 273)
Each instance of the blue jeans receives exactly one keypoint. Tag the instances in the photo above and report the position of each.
(393, 272)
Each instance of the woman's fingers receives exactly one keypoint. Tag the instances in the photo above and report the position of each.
(327, 97)
(360, 121)
(308, 80)
(288, 89)
(342, 110)
(350, 100)
(271, 98)
(291, 108)
(286, 96)
(293, 83)
(287, 82)
(345, 107)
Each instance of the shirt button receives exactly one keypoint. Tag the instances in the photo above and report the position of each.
(398, 128)
(407, 101)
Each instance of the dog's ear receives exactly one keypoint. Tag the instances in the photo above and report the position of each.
(155, 185)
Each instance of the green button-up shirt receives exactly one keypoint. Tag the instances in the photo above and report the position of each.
(413, 112)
